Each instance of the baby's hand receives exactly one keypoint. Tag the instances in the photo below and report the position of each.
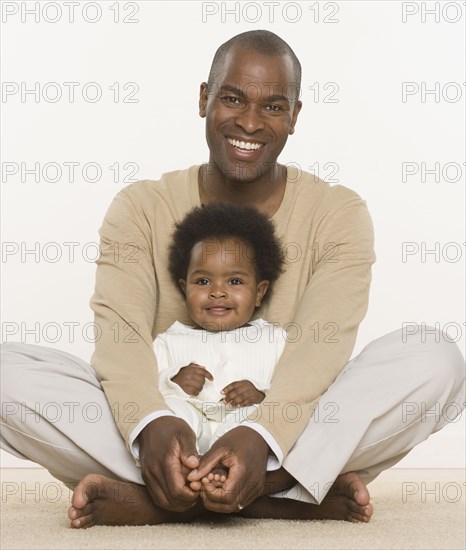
(192, 378)
(242, 394)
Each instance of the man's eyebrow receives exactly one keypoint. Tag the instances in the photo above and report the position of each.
(240, 93)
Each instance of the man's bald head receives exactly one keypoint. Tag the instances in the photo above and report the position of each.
(261, 41)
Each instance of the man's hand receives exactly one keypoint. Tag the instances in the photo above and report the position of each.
(192, 378)
(242, 394)
(167, 449)
(244, 453)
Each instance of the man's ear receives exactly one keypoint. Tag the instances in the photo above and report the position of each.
(261, 290)
(203, 99)
(294, 118)
(182, 284)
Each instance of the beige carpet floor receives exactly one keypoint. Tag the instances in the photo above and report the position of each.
(422, 509)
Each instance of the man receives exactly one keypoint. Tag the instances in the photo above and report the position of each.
(327, 427)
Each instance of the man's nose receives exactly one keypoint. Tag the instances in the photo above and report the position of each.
(250, 119)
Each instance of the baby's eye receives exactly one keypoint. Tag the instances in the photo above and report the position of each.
(235, 281)
(202, 282)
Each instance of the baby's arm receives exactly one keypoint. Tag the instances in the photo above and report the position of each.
(242, 393)
(191, 379)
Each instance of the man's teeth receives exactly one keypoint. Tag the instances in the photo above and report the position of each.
(246, 145)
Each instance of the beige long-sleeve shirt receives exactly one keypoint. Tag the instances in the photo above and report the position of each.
(320, 299)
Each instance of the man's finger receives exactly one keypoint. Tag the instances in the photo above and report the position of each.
(179, 492)
(233, 493)
(157, 489)
(225, 499)
(195, 485)
(189, 455)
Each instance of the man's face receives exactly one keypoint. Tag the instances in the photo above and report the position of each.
(250, 113)
(221, 288)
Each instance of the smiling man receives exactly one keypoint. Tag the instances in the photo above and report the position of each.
(327, 427)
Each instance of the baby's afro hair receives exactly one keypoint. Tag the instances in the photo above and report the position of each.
(218, 222)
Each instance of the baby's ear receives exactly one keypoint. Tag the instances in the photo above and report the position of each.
(262, 288)
(182, 284)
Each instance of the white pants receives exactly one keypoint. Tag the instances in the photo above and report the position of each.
(388, 399)
(207, 430)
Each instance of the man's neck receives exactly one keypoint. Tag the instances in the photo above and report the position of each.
(265, 193)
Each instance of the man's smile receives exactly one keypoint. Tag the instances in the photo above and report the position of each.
(244, 150)
(245, 144)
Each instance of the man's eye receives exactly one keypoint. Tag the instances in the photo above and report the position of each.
(275, 108)
(202, 282)
(231, 99)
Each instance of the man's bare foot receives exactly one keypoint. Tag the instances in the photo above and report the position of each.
(98, 500)
(348, 499)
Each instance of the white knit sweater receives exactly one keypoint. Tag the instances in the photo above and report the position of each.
(247, 353)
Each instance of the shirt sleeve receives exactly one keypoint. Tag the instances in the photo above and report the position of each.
(124, 305)
(167, 370)
(330, 310)
(133, 442)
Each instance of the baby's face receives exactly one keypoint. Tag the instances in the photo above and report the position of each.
(221, 288)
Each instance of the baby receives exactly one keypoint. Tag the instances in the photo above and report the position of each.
(224, 259)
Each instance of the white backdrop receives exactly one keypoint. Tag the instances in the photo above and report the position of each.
(98, 94)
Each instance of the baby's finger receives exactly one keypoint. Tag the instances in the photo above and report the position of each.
(238, 398)
(235, 392)
(207, 375)
(200, 371)
(231, 387)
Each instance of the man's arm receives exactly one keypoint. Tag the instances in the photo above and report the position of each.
(333, 305)
(124, 305)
